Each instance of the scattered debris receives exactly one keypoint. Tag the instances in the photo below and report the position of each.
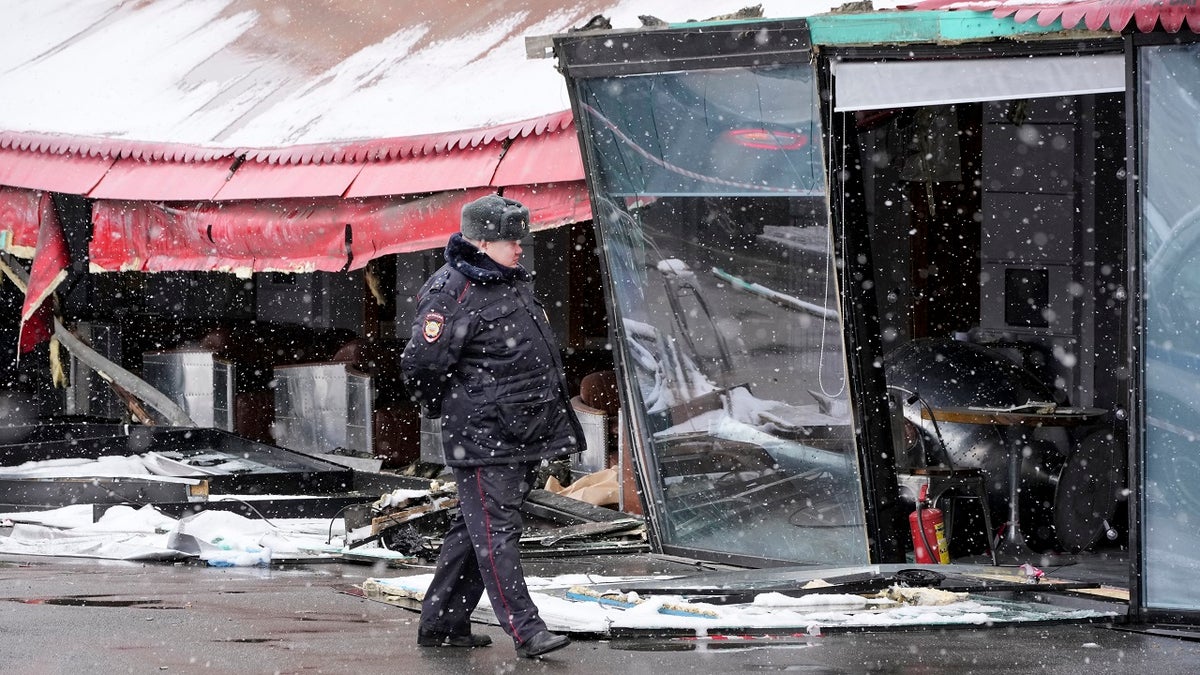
(855, 7)
(1032, 574)
(125, 533)
(610, 598)
(600, 488)
(560, 510)
(404, 520)
(924, 597)
(686, 610)
(379, 589)
(597, 22)
(751, 12)
(846, 601)
(607, 608)
(626, 527)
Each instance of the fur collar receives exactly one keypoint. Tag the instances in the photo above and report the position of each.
(475, 265)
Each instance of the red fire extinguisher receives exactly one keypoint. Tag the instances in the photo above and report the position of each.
(928, 533)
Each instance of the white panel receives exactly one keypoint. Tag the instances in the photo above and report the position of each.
(902, 84)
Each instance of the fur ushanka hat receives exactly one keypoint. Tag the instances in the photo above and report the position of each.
(495, 218)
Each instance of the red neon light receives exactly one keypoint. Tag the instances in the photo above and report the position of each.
(763, 139)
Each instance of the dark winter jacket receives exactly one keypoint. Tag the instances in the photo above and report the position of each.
(482, 357)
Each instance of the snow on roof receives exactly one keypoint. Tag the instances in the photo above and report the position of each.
(265, 74)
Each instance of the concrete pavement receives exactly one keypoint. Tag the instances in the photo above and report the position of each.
(61, 615)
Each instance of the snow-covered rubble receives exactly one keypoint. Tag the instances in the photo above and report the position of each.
(768, 611)
(218, 538)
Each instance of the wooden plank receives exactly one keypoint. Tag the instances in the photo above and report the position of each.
(381, 523)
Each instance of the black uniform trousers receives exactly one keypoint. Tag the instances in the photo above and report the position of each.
(481, 552)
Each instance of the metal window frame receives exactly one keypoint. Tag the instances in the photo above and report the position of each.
(864, 347)
(724, 45)
(1134, 155)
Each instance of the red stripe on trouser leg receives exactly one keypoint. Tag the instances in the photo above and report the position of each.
(487, 523)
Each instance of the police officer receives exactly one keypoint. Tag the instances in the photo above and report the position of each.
(482, 357)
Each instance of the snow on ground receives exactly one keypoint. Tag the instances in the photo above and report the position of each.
(218, 538)
(226, 539)
(768, 611)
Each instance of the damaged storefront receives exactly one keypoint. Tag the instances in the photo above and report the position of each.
(270, 299)
(865, 264)
(200, 291)
(228, 348)
(854, 267)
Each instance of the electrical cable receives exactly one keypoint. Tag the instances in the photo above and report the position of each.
(914, 397)
(829, 272)
(332, 520)
(250, 506)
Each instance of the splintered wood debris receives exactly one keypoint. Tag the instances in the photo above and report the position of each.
(402, 520)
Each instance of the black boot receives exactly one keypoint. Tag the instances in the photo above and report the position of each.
(542, 643)
(433, 639)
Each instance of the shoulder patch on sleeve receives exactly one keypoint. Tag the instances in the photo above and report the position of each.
(439, 282)
(432, 326)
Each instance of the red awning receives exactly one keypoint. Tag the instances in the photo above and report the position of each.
(260, 180)
(428, 173)
(553, 204)
(74, 174)
(422, 224)
(19, 221)
(163, 181)
(299, 235)
(1172, 14)
(413, 225)
(261, 236)
(243, 237)
(552, 157)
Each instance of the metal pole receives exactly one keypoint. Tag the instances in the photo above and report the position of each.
(105, 368)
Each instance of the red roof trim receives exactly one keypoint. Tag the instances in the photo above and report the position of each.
(1171, 14)
(257, 180)
(325, 153)
(547, 158)
(72, 173)
(163, 181)
(117, 169)
(111, 148)
(433, 173)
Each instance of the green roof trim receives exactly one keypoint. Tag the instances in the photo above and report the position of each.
(905, 27)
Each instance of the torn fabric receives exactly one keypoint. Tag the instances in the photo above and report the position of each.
(19, 221)
(51, 259)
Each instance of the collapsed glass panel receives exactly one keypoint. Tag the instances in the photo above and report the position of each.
(710, 195)
(1170, 156)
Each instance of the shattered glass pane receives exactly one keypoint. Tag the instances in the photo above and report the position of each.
(721, 269)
